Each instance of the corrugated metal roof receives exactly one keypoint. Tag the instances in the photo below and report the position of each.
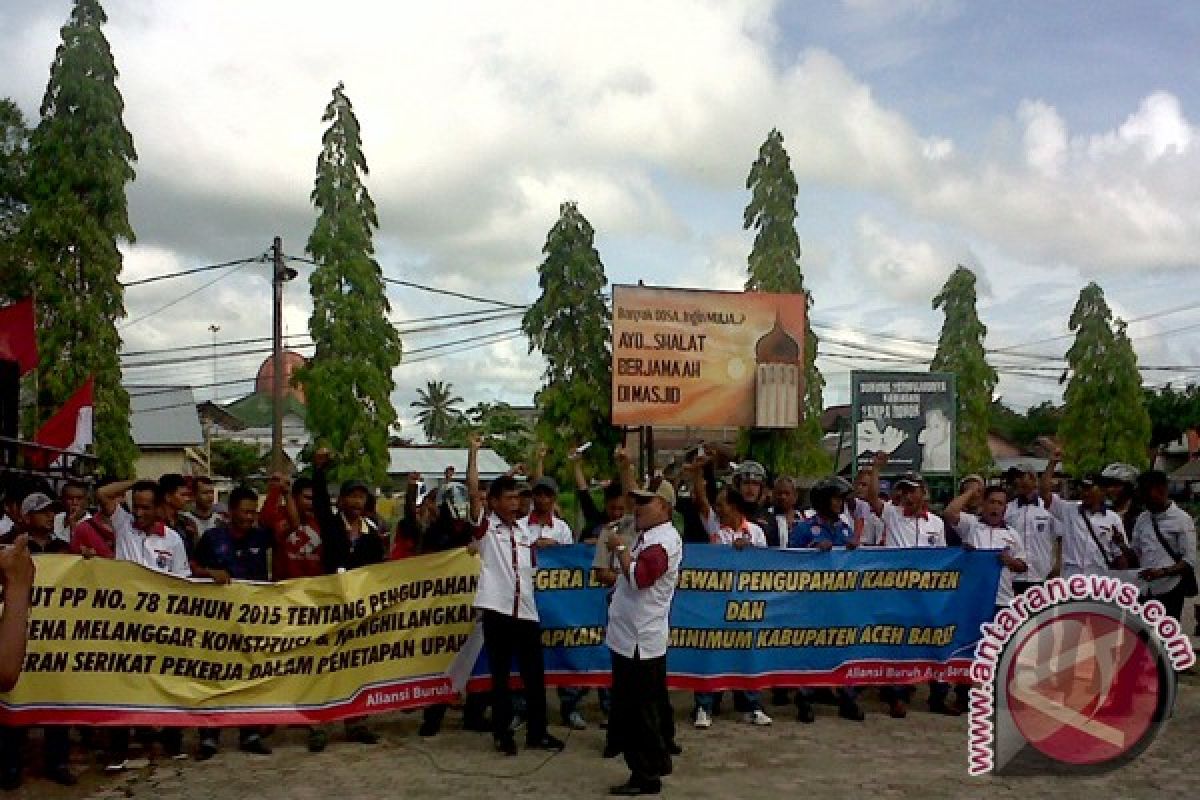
(164, 416)
(432, 461)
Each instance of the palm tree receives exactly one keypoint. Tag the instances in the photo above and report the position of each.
(439, 411)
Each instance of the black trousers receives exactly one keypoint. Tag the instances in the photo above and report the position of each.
(1172, 602)
(12, 746)
(503, 638)
(639, 691)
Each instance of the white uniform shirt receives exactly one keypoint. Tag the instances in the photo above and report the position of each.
(749, 531)
(506, 569)
(1080, 553)
(923, 530)
(164, 553)
(61, 530)
(982, 536)
(639, 618)
(1178, 528)
(203, 526)
(558, 530)
(1038, 527)
(782, 525)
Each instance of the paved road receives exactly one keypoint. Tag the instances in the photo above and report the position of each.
(922, 756)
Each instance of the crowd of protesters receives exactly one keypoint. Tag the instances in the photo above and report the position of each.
(1120, 522)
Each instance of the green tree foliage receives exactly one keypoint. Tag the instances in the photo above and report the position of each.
(1024, 429)
(569, 324)
(774, 266)
(80, 159)
(501, 428)
(439, 410)
(14, 171)
(960, 351)
(348, 381)
(1104, 418)
(236, 460)
(1172, 411)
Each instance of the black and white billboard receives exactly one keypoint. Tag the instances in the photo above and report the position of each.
(910, 415)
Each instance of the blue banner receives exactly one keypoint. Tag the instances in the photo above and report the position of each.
(756, 618)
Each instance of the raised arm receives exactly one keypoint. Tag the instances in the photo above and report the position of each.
(473, 443)
(954, 509)
(1046, 480)
(113, 492)
(700, 488)
(873, 500)
(539, 461)
(16, 571)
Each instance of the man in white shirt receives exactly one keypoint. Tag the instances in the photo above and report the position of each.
(1028, 515)
(1093, 537)
(143, 538)
(547, 528)
(74, 502)
(989, 531)
(1164, 539)
(909, 524)
(510, 617)
(204, 515)
(638, 632)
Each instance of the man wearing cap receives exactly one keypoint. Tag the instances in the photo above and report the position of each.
(1164, 539)
(909, 524)
(37, 511)
(1119, 481)
(637, 638)
(1028, 515)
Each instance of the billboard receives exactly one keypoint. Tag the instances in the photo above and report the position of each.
(910, 415)
(693, 357)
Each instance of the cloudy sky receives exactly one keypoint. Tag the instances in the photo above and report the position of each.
(1044, 144)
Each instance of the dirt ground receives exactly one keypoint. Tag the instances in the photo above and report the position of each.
(921, 756)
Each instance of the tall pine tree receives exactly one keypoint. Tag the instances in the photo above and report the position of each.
(14, 171)
(774, 266)
(348, 382)
(569, 324)
(960, 351)
(80, 159)
(1104, 415)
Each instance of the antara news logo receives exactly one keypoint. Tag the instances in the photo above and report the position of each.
(1077, 676)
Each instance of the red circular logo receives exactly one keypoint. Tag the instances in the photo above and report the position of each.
(1083, 688)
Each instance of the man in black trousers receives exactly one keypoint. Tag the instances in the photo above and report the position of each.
(637, 638)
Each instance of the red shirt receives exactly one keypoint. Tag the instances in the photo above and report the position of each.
(297, 551)
(96, 535)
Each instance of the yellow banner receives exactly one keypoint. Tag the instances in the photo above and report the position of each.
(111, 642)
(691, 357)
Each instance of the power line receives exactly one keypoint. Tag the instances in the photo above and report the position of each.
(484, 341)
(228, 271)
(193, 271)
(433, 289)
(259, 339)
(1143, 318)
(184, 359)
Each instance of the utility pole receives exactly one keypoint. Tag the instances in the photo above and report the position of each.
(277, 356)
(213, 328)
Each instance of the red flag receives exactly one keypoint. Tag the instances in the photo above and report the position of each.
(18, 342)
(70, 428)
